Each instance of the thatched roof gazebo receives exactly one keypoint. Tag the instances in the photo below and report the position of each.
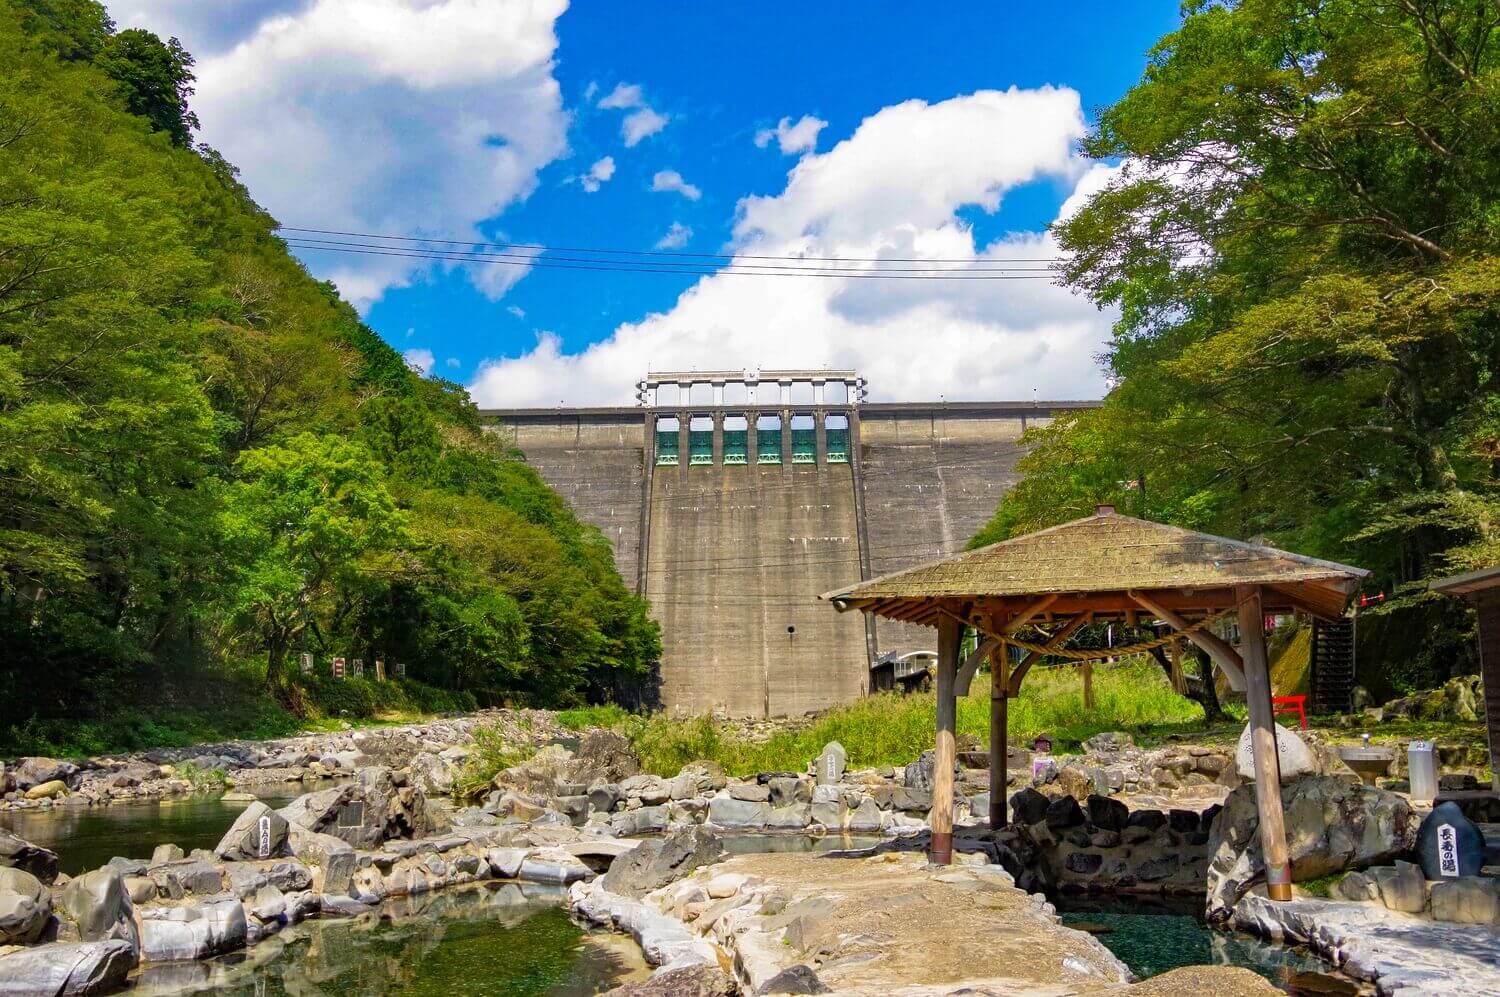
(1104, 567)
(1482, 588)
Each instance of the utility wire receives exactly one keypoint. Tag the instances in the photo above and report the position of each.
(626, 267)
(476, 254)
(659, 252)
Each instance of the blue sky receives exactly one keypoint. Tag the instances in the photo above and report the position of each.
(938, 130)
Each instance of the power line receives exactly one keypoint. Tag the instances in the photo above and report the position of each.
(659, 252)
(626, 267)
(791, 266)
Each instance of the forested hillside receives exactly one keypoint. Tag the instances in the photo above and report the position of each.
(1303, 242)
(209, 466)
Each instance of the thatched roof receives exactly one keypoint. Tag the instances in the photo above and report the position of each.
(1092, 564)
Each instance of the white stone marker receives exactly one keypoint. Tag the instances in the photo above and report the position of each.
(831, 763)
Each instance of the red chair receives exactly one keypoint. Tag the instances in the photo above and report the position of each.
(1291, 704)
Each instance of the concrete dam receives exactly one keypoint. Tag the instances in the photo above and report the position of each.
(733, 499)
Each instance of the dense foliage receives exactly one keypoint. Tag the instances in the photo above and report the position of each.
(208, 465)
(1301, 240)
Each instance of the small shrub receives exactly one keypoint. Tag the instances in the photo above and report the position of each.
(203, 780)
(489, 755)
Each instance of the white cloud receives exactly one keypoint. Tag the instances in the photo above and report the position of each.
(894, 189)
(623, 96)
(641, 124)
(375, 115)
(671, 182)
(517, 311)
(792, 138)
(419, 360)
(453, 362)
(598, 174)
(677, 236)
(589, 91)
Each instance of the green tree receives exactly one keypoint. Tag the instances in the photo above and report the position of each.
(308, 521)
(156, 79)
(1301, 243)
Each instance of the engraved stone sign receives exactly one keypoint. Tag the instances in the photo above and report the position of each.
(831, 763)
(263, 838)
(359, 668)
(352, 814)
(379, 670)
(338, 668)
(1447, 837)
(307, 663)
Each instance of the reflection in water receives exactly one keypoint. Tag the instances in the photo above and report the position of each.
(479, 940)
(87, 837)
(759, 843)
(1152, 935)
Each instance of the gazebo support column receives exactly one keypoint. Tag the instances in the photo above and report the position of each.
(940, 852)
(999, 729)
(1263, 744)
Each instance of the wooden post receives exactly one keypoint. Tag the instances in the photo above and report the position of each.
(1263, 743)
(1088, 685)
(941, 850)
(1179, 684)
(999, 728)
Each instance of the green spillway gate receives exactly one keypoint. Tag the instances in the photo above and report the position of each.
(736, 446)
(667, 447)
(768, 446)
(804, 446)
(838, 446)
(701, 446)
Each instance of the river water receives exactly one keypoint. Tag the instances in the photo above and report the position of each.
(506, 939)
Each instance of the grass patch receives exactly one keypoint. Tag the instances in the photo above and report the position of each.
(892, 729)
(203, 780)
(489, 755)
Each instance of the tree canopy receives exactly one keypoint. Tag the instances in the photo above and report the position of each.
(208, 463)
(1300, 240)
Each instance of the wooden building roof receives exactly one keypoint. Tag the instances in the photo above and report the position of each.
(1093, 564)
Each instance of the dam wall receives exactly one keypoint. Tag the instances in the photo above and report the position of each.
(731, 532)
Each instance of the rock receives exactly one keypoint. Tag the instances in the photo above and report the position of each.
(1109, 741)
(257, 833)
(100, 905)
(1331, 826)
(168, 853)
(268, 904)
(197, 932)
(1028, 806)
(727, 812)
(1356, 886)
(1296, 758)
(832, 761)
(38, 770)
(603, 755)
(575, 808)
(77, 968)
(603, 797)
(47, 790)
(866, 817)
(749, 792)
(643, 820)
(1111, 815)
(129, 867)
(1447, 834)
(1469, 900)
(907, 799)
(787, 791)
(798, 979)
(656, 863)
(919, 772)
(1401, 887)
(18, 853)
(189, 877)
(1064, 812)
(649, 789)
(333, 857)
(688, 981)
(25, 907)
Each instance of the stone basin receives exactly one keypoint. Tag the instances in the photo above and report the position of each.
(1368, 763)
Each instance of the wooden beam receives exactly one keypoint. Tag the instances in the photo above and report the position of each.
(971, 665)
(1018, 673)
(1088, 685)
(999, 734)
(1026, 615)
(1263, 745)
(1224, 656)
(940, 852)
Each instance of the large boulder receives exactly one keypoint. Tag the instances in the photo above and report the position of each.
(79, 968)
(18, 853)
(210, 928)
(332, 858)
(257, 833)
(685, 981)
(372, 808)
(1446, 834)
(1331, 825)
(1297, 759)
(654, 864)
(98, 903)
(25, 907)
(37, 771)
(539, 775)
(603, 756)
